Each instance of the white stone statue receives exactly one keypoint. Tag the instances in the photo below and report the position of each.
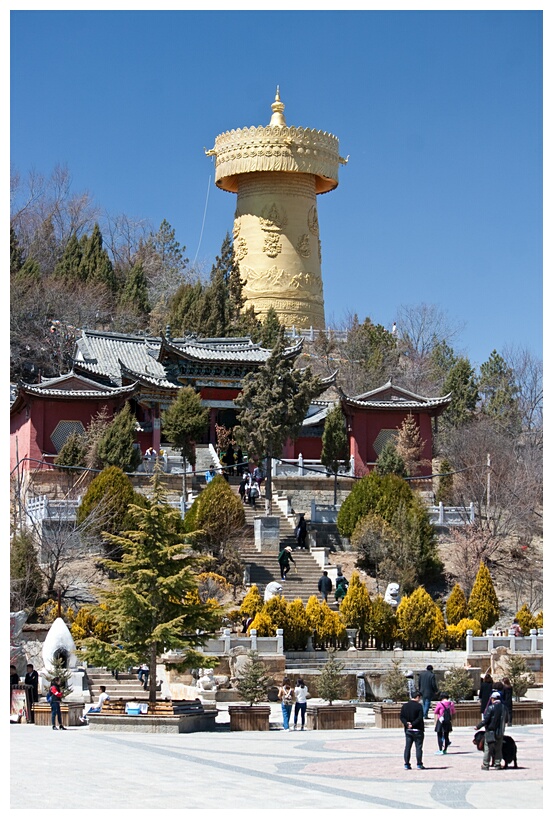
(238, 658)
(391, 595)
(206, 680)
(273, 589)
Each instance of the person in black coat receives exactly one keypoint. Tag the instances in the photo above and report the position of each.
(325, 585)
(508, 699)
(412, 717)
(31, 678)
(428, 688)
(493, 722)
(486, 688)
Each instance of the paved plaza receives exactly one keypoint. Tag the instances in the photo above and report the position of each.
(348, 770)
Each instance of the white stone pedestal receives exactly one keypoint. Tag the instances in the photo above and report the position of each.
(267, 533)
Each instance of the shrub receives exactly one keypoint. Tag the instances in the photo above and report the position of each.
(456, 607)
(263, 624)
(253, 682)
(395, 683)
(457, 634)
(315, 617)
(520, 675)
(458, 684)
(252, 602)
(483, 602)
(212, 586)
(356, 608)
(416, 620)
(330, 684)
(297, 629)
(383, 625)
(526, 619)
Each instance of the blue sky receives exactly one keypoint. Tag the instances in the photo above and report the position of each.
(440, 113)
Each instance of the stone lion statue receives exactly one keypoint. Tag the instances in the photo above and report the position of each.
(391, 595)
(206, 680)
(238, 658)
(273, 589)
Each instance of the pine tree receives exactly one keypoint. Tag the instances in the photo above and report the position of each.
(297, 629)
(271, 329)
(94, 433)
(459, 684)
(383, 625)
(395, 683)
(520, 675)
(456, 607)
(62, 673)
(334, 451)
(499, 391)
(69, 266)
(330, 684)
(253, 682)
(461, 383)
(16, 253)
(152, 602)
(526, 619)
(315, 617)
(219, 514)
(483, 603)
(273, 403)
(116, 447)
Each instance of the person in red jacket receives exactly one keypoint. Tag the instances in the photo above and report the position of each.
(56, 695)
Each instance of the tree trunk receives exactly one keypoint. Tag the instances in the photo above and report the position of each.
(152, 677)
(335, 490)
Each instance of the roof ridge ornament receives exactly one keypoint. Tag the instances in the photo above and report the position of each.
(277, 119)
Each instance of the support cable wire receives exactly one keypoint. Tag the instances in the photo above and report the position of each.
(203, 221)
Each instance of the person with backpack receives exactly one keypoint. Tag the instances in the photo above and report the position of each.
(341, 587)
(443, 713)
(301, 532)
(54, 697)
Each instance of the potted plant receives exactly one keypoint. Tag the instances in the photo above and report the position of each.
(330, 687)
(252, 686)
(395, 684)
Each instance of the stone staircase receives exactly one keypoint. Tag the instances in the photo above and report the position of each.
(302, 579)
(127, 687)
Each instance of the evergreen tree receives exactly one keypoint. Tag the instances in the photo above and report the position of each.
(461, 383)
(16, 253)
(95, 264)
(69, 266)
(297, 629)
(456, 607)
(94, 433)
(520, 675)
(334, 451)
(62, 673)
(395, 683)
(315, 617)
(459, 684)
(272, 404)
(185, 309)
(390, 462)
(271, 328)
(483, 602)
(526, 619)
(253, 682)
(106, 503)
(184, 422)
(330, 685)
(134, 294)
(218, 513)
(383, 624)
(416, 619)
(498, 391)
(409, 446)
(252, 602)
(152, 603)
(72, 455)
(445, 486)
(25, 576)
(356, 608)
(116, 447)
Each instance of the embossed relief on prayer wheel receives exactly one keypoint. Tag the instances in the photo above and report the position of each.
(277, 172)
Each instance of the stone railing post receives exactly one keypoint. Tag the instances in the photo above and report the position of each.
(471, 512)
(470, 642)
(247, 574)
(280, 641)
(489, 635)
(512, 640)
(226, 640)
(300, 465)
(440, 513)
(253, 637)
(313, 512)
(352, 466)
(533, 640)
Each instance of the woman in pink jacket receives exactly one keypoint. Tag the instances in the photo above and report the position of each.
(443, 713)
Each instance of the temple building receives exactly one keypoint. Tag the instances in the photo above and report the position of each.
(277, 172)
(112, 368)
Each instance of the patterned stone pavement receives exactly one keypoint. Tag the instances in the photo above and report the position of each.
(294, 772)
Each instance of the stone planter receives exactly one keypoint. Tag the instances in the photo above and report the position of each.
(387, 714)
(70, 713)
(467, 713)
(249, 717)
(528, 712)
(330, 717)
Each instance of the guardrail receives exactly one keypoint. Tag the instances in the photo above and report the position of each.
(300, 467)
(441, 515)
(44, 508)
(490, 641)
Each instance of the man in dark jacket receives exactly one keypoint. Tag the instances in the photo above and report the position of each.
(325, 585)
(412, 718)
(428, 688)
(494, 726)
